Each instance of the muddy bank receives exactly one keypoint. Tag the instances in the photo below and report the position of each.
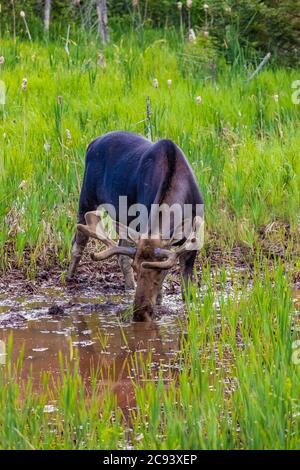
(274, 241)
(275, 244)
(105, 279)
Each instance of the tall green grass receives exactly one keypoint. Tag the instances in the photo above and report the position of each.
(242, 142)
(233, 385)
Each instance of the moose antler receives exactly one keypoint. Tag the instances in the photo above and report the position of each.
(193, 242)
(94, 229)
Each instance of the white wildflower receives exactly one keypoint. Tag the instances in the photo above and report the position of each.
(47, 147)
(50, 409)
(155, 83)
(22, 184)
(198, 99)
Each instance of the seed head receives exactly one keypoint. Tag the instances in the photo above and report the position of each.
(205, 6)
(276, 98)
(206, 34)
(179, 5)
(2, 60)
(189, 3)
(22, 14)
(155, 83)
(169, 83)
(198, 99)
(192, 35)
(59, 100)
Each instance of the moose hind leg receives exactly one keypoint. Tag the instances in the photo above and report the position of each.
(125, 264)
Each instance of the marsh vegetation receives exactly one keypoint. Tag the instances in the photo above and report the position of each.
(221, 372)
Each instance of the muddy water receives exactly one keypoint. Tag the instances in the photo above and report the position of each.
(93, 327)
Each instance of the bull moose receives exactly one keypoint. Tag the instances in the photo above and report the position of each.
(150, 175)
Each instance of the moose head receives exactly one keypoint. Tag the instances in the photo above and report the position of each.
(151, 257)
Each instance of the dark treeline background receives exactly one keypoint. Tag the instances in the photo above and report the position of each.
(269, 25)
